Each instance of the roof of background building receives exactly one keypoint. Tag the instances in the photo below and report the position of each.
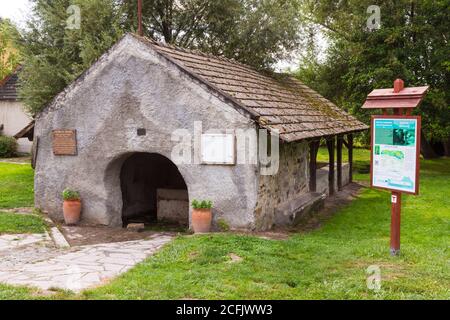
(8, 87)
(276, 101)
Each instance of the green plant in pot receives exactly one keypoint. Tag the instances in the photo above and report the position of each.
(201, 215)
(71, 206)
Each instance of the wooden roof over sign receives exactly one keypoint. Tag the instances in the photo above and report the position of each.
(275, 101)
(386, 98)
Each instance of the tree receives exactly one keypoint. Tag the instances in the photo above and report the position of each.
(412, 44)
(9, 55)
(55, 52)
(255, 32)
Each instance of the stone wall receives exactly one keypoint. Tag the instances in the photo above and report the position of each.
(290, 182)
(173, 206)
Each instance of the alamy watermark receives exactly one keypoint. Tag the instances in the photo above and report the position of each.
(373, 280)
(73, 22)
(238, 146)
(374, 21)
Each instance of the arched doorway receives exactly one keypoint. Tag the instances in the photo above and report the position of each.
(153, 190)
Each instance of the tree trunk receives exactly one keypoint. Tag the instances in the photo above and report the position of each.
(426, 149)
(446, 144)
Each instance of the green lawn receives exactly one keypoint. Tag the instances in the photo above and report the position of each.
(19, 223)
(361, 161)
(329, 263)
(16, 185)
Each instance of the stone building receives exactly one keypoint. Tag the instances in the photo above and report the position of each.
(113, 135)
(13, 116)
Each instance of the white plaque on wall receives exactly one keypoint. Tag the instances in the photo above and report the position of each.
(218, 148)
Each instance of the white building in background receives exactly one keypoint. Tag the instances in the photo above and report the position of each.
(13, 117)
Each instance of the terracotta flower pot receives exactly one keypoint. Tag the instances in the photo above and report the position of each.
(72, 211)
(201, 220)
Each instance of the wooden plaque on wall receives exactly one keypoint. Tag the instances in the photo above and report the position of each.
(65, 142)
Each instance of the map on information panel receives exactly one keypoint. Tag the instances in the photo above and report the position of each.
(394, 153)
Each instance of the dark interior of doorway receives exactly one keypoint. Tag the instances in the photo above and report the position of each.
(140, 177)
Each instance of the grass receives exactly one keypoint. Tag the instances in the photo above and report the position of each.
(16, 185)
(328, 263)
(17, 293)
(361, 161)
(19, 223)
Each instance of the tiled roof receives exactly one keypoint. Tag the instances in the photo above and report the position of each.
(277, 102)
(8, 87)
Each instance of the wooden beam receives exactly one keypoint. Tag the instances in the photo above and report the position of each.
(340, 142)
(345, 143)
(313, 149)
(350, 157)
(331, 142)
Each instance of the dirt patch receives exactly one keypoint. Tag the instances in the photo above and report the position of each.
(389, 270)
(234, 258)
(26, 210)
(268, 235)
(87, 235)
(17, 160)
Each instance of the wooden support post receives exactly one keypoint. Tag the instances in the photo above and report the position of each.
(331, 146)
(350, 157)
(396, 200)
(313, 148)
(340, 142)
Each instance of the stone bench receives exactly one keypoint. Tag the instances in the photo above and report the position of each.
(294, 211)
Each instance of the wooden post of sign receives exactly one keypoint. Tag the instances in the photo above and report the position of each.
(396, 208)
(396, 196)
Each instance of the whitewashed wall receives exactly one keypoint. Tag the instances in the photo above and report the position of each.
(14, 119)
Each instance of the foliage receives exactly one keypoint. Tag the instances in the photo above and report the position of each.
(8, 147)
(21, 223)
(203, 204)
(255, 32)
(412, 44)
(9, 55)
(16, 187)
(223, 225)
(55, 55)
(70, 195)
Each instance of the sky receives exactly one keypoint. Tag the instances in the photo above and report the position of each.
(16, 10)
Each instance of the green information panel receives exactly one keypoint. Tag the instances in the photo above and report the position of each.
(394, 153)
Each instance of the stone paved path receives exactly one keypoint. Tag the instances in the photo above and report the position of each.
(9, 241)
(33, 260)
